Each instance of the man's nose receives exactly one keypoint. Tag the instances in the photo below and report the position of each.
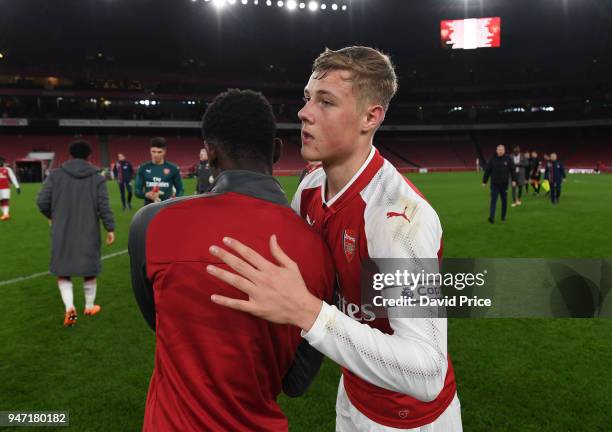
(305, 115)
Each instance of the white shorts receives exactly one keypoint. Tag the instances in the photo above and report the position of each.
(5, 194)
(350, 419)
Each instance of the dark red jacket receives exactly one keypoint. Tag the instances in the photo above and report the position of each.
(217, 369)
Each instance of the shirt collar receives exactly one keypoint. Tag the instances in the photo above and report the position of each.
(254, 184)
(357, 183)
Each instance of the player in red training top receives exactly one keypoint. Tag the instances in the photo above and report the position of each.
(218, 369)
(7, 176)
(397, 374)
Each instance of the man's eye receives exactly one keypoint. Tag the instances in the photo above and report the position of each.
(305, 99)
(326, 102)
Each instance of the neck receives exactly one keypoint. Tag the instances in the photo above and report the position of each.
(160, 162)
(339, 173)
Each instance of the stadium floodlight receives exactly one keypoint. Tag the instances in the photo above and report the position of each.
(323, 6)
(280, 3)
(268, 2)
(335, 6)
(231, 2)
(313, 6)
(291, 4)
(343, 7)
(244, 1)
(302, 5)
(219, 3)
(255, 2)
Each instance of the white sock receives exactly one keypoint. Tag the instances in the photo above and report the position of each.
(65, 287)
(89, 287)
(5, 210)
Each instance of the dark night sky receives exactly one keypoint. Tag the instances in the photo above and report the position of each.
(560, 37)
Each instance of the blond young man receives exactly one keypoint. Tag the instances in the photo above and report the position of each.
(397, 374)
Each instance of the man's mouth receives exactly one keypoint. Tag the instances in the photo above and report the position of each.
(306, 136)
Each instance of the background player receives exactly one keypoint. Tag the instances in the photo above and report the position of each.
(158, 180)
(7, 176)
(75, 199)
(203, 174)
(555, 174)
(123, 172)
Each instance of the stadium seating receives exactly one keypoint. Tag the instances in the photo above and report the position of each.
(408, 153)
(19, 146)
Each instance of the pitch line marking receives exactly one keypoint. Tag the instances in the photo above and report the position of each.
(37, 275)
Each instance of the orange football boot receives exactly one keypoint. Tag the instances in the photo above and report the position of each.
(70, 318)
(93, 310)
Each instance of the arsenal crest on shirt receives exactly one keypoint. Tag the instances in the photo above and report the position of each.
(349, 240)
(166, 171)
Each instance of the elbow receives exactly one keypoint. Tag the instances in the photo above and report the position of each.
(430, 391)
(433, 390)
(434, 379)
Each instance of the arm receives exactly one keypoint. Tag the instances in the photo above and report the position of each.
(412, 360)
(178, 182)
(13, 178)
(142, 287)
(139, 184)
(45, 197)
(307, 361)
(512, 166)
(487, 172)
(104, 210)
(302, 372)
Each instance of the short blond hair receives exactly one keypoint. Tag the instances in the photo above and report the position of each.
(372, 73)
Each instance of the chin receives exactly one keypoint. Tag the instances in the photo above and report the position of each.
(308, 154)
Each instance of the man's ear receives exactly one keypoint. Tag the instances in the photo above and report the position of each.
(373, 118)
(277, 150)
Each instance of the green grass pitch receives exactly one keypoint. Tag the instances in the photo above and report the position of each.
(512, 374)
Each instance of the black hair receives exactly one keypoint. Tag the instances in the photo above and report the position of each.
(242, 123)
(159, 142)
(2, 160)
(79, 149)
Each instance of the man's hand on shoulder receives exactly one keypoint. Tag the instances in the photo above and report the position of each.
(277, 292)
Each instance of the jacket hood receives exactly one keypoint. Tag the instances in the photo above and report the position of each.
(79, 168)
